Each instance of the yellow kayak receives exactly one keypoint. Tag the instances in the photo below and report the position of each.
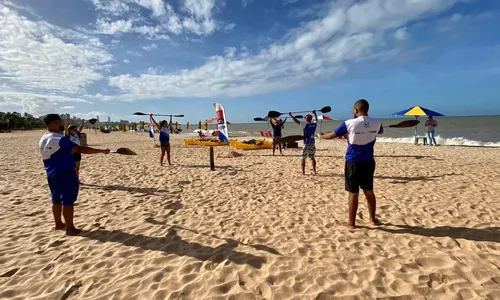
(189, 142)
(212, 143)
(259, 145)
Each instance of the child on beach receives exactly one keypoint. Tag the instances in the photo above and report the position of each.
(165, 130)
(74, 134)
(309, 148)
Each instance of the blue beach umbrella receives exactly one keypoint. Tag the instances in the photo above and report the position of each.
(417, 111)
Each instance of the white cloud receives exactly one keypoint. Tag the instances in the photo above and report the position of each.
(33, 55)
(126, 61)
(318, 49)
(134, 53)
(197, 18)
(150, 47)
(68, 107)
(401, 34)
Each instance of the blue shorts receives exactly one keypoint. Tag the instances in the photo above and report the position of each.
(64, 187)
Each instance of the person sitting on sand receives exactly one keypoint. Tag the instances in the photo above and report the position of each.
(277, 129)
(359, 159)
(431, 125)
(57, 155)
(309, 148)
(74, 134)
(165, 130)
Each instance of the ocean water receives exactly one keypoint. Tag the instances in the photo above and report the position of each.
(459, 131)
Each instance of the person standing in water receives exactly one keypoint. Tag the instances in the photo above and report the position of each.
(309, 147)
(74, 134)
(165, 129)
(359, 168)
(57, 151)
(431, 125)
(277, 134)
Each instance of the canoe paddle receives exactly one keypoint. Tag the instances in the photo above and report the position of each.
(275, 114)
(93, 121)
(258, 119)
(293, 138)
(405, 124)
(123, 151)
(144, 114)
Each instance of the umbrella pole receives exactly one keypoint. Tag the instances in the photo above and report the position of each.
(416, 126)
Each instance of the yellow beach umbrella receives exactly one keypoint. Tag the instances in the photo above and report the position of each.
(176, 124)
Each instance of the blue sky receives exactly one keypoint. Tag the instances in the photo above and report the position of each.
(115, 57)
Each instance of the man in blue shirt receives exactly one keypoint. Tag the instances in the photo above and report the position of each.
(362, 132)
(57, 154)
(309, 147)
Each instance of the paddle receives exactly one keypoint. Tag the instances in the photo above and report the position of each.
(405, 124)
(275, 114)
(144, 114)
(93, 121)
(258, 119)
(293, 138)
(123, 151)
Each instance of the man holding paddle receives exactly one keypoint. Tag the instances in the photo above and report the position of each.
(309, 147)
(57, 154)
(360, 162)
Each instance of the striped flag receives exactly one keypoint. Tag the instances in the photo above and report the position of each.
(220, 115)
(152, 130)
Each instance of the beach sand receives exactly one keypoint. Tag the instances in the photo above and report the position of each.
(253, 229)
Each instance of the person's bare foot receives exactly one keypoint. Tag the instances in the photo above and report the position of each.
(72, 232)
(60, 226)
(350, 226)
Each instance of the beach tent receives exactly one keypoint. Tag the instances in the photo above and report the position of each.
(324, 117)
(417, 111)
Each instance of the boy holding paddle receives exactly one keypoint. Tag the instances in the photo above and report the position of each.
(360, 162)
(165, 129)
(309, 148)
(57, 155)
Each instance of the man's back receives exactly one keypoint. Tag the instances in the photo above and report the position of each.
(55, 149)
(362, 133)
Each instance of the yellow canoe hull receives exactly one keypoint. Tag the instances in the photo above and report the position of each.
(260, 145)
(198, 142)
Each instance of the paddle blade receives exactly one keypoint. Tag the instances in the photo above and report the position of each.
(292, 138)
(140, 114)
(258, 119)
(93, 121)
(125, 151)
(273, 114)
(326, 109)
(179, 116)
(405, 124)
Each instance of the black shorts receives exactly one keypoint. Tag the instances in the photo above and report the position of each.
(77, 156)
(359, 175)
(165, 144)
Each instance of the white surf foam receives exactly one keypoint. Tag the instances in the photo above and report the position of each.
(457, 141)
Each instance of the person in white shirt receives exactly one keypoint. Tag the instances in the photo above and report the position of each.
(431, 124)
(359, 169)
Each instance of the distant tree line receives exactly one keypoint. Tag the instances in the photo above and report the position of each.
(16, 121)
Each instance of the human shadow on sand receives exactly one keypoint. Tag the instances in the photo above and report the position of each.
(398, 179)
(410, 156)
(172, 243)
(255, 246)
(138, 190)
(491, 234)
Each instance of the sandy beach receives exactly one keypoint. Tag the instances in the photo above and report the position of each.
(253, 229)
